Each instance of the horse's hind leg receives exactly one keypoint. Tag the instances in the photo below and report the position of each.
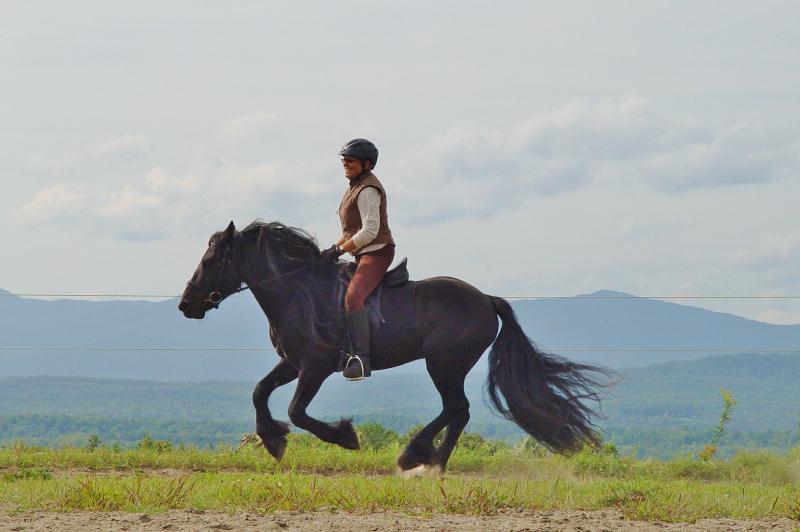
(460, 407)
(272, 432)
(420, 450)
(448, 377)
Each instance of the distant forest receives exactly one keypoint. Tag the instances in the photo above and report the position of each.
(60, 430)
(658, 411)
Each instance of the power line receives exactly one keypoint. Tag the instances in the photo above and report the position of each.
(73, 348)
(170, 296)
(572, 349)
(670, 350)
(650, 297)
(31, 294)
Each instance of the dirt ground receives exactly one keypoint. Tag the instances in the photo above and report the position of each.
(605, 520)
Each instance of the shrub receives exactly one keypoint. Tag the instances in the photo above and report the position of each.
(375, 436)
(93, 442)
(147, 443)
(475, 442)
(413, 432)
(729, 402)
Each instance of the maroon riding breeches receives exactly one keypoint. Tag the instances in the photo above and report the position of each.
(370, 269)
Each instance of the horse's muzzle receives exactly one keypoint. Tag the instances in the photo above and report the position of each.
(192, 313)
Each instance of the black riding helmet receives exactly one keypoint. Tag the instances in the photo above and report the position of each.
(361, 149)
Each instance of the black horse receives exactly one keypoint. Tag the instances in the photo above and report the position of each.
(455, 323)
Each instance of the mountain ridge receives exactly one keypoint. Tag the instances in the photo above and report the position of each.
(586, 325)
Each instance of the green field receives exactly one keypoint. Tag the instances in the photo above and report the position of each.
(485, 477)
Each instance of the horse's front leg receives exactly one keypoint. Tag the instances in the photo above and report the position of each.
(272, 432)
(341, 433)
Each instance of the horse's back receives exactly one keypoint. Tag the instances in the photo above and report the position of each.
(451, 290)
(445, 309)
(450, 303)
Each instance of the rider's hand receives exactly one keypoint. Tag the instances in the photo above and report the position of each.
(332, 254)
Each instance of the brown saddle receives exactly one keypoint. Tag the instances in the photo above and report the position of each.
(394, 278)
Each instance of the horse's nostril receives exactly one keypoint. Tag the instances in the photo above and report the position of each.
(183, 305)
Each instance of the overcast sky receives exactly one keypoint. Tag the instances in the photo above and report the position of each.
(543, 148)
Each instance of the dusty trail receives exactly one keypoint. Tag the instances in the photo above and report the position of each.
(604, 520)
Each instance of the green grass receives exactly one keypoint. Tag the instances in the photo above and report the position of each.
(483, 479)
(308, 455)
(649, 499)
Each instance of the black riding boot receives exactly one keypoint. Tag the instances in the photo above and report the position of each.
(358, 329)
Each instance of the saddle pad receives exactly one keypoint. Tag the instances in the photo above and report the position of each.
(392, 318)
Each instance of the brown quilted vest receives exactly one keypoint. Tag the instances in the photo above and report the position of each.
(351, 217)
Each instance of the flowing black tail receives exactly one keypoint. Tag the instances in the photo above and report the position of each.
(544, 394)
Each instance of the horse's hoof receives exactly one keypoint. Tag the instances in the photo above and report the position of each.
(422, 470)
(418, 471)
(349, 438)
(413, 457)
(434, 471)
(276, 446)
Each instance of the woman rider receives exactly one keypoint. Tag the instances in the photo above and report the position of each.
(365, 234)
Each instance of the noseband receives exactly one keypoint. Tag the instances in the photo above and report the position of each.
(215, 297)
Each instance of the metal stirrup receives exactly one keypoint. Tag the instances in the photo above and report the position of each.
(361, 363)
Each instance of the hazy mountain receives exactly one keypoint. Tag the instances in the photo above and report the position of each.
(126, 324)
(577, 323)
(584, 322)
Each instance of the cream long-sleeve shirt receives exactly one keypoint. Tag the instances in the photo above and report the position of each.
(369, 202)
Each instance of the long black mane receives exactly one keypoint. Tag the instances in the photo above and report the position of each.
(283, 244)
(293, 256)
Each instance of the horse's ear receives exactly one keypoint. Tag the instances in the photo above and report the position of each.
(229, 231)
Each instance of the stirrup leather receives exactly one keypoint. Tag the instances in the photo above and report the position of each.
(350, 358)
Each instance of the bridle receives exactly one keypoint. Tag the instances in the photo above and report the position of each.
(215, 296)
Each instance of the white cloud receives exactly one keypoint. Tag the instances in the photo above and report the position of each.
(127, 146)
(606, 130)
(468, 171)
(58, 202)
(471, 170)
(780, 317)
(768, 251)
(248, 125)
(642, 226)
(163, 205)
(126, 149)
(160, 180)
(133, 214)
(129, 201)
(728, 157)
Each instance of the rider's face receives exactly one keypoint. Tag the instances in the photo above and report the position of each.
(352, 167)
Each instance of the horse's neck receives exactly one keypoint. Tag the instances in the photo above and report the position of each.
(275, 298)
(269, 302)
(271, 296)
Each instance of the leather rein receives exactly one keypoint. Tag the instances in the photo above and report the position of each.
(215, 297)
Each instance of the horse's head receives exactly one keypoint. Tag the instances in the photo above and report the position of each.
(215, 278)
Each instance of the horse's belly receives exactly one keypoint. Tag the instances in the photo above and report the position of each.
(395, 350)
